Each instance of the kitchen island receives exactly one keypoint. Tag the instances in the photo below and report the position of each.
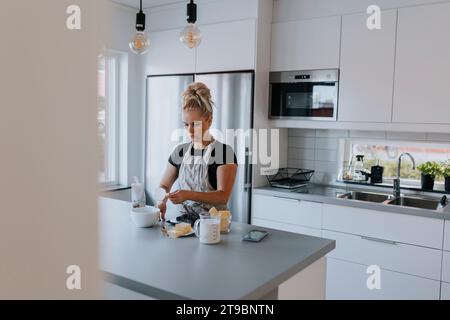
(143, 261)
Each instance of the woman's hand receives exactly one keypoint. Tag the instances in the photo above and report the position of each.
(180, 196)
(163, 208)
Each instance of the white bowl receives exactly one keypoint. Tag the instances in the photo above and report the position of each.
(145, 217)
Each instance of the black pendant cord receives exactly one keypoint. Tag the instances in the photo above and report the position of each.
(191, 12)
(140, 20)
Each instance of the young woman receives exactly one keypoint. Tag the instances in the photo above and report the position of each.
(205, 168)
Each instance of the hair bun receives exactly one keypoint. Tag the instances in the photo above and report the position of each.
(198, 96)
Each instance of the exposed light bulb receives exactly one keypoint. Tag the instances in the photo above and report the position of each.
(191, 36)
(140, 43)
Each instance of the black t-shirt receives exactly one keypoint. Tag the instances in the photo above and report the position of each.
(221, 154)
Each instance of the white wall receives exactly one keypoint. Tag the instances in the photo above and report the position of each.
(123, 26)
(318, 149)
(288, 10)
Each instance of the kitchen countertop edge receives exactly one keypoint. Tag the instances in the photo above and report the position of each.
(327, 199)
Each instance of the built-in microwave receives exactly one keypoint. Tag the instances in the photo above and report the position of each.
(306, 95)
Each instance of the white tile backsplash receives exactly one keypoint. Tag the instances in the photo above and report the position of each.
(301, 164)
(301, 154)
(367, 134)
(302, 133)
(318, 149)
(325, 166)
(302, 142)
(438, 137)
(327, 143)
(325, 155)
(408, 136)
(332, 133)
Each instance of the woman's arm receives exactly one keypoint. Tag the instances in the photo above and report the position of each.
(167, 181)
(169, 177)
(226, 175)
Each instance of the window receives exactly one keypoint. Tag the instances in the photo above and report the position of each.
(108, 116)
(386, 153)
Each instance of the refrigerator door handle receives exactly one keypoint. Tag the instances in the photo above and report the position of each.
(247, 183)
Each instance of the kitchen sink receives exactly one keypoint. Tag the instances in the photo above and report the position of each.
(421, 203)
(366, 196)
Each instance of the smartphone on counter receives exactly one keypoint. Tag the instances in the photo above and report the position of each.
(255, 236)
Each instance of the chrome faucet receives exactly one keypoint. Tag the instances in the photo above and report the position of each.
(397, 192)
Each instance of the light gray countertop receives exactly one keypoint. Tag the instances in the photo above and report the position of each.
(329, 195)
(144, 261)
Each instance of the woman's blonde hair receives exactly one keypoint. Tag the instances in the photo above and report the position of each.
(198, 97)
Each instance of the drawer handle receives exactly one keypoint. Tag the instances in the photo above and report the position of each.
(379, 240)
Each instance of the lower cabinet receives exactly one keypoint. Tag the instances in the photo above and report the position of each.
(287, 227)
(289, 215)
(445, 291)
(406, 249)
(446, 267)
(348, 280)
(399, 257)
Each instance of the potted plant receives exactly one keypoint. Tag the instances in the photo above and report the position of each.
(429, 172)
(445, 171)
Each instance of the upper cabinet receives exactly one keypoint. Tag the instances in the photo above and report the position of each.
(367, 69)
(306, 44)
(167, 55)
(423, 65)
(227, 46)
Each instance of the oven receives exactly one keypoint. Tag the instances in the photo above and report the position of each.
(305, 95)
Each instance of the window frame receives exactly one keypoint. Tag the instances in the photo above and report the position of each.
(345, 150)
(113, 62)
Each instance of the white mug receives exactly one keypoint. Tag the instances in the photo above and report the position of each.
(207, 228)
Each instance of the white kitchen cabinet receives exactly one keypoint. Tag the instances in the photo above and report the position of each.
(227, 47)
(287, 211)
(447, 236)
(422, 65)
(446, 267)
(367, 69)
(445, 291)
(347, 280)
(409, 229)
(404, 258)
(306, 44)
(270, 224)
(167, 55)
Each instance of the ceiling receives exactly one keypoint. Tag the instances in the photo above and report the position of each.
(147, 3)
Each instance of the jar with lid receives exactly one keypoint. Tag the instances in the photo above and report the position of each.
(359, 168)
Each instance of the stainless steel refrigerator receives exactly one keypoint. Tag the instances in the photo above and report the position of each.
(232, 94)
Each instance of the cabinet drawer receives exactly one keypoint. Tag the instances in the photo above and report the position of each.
(287, 227)
(445, 291)
(446, 267)
(405, 258)
(447, 236)
(347, 280)
(291, 211)
(403, 228)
